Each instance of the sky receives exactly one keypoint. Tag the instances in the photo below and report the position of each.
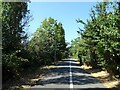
(65, 12)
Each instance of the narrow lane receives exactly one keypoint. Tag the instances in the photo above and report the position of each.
(68, 75)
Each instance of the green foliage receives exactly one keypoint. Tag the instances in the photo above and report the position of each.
(15, 17)
(75, 47)
(101, 37)
(12, 65)
(48, 42)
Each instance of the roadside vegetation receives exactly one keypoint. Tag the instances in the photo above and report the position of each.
(99, 42)
(19, 54)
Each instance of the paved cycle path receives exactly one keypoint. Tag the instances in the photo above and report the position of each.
(68, 75)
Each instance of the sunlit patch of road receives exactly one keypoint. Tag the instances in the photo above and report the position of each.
(68, 74)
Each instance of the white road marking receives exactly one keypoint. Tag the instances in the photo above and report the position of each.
(71, 82)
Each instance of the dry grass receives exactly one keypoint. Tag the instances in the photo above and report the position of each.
(104, 77)
(28, 79)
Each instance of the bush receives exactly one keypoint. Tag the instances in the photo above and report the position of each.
(12, 66)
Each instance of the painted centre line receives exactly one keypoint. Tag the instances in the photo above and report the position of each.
(71, 81)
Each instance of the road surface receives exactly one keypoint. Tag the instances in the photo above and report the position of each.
(67, 75)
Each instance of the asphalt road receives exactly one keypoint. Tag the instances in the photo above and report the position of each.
(68, 75)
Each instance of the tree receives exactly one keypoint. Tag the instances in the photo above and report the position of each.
(15, 16)
(48, 42)
(101, 36)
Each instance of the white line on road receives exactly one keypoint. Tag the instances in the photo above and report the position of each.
(71, 82)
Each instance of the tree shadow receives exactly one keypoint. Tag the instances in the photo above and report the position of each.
(61, 75)
(69, 89)
(67, 63)
(92, 70)
(92, 89)
(70, 60)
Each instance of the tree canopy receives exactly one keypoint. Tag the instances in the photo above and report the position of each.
(48, 42)
(100, 41)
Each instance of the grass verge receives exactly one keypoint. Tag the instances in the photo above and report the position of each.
(104, 77)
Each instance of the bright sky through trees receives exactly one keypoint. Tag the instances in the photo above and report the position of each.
(64, 12)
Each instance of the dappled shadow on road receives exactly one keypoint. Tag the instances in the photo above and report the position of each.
(61, 75)
(83, 79)
(67, 63)
(70, 89)
(66, 60)
(61, 80)
(91, 89)
(92, 70)
(56, 76)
